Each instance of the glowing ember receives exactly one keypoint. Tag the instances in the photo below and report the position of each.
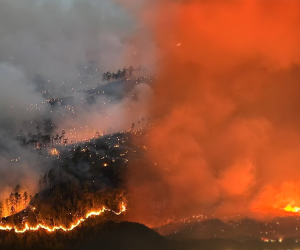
(54, 151)
(289, 208)
(74, 225)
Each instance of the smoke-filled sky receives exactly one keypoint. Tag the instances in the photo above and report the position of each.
(49, 39)
(227, 138)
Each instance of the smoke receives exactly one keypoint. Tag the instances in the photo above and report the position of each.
(227, 109)
(19, 166)
(50, 39)
(16, 95)
(106, 114)
(48, 50)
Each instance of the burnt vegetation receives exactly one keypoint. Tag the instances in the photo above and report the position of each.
(84, 177)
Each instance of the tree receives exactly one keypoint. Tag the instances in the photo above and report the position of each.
(108, 76)
(119, 74)
(51, 176)
(12, 203)
(56, 138)
(11, 199)
(18, 200)
(18, 188)
(40, 183)
(63, 134)
(25, 198)
(45, 180)
(124, 72)
(130, 72)
(45, 140)
(65, 141)
(12, 210)
(7, 204)
(1, 210)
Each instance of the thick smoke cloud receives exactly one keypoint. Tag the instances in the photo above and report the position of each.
(49, 42)
(16, 95)
(50, 39)
(45, 46)
(227, 108)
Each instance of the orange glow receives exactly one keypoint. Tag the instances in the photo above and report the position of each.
(74, 225)
(289, 208)
(227, 137)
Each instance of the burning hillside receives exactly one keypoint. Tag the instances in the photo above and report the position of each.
(85, 180)
(202, 142)
(50, 229)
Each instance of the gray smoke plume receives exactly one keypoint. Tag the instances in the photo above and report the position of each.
(49, 50)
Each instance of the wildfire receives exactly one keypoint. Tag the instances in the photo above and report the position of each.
(289, 208)
(54, 151)
(74, 225)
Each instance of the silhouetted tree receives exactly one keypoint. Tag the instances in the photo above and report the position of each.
(25, 198)
(1, 210)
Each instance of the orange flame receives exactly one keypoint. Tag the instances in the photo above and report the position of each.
(74, 225)
(54, 151)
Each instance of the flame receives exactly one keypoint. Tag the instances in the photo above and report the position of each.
(54, 151)
(74, 225)
(289, 208)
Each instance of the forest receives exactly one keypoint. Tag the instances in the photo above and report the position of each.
(84, 177)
